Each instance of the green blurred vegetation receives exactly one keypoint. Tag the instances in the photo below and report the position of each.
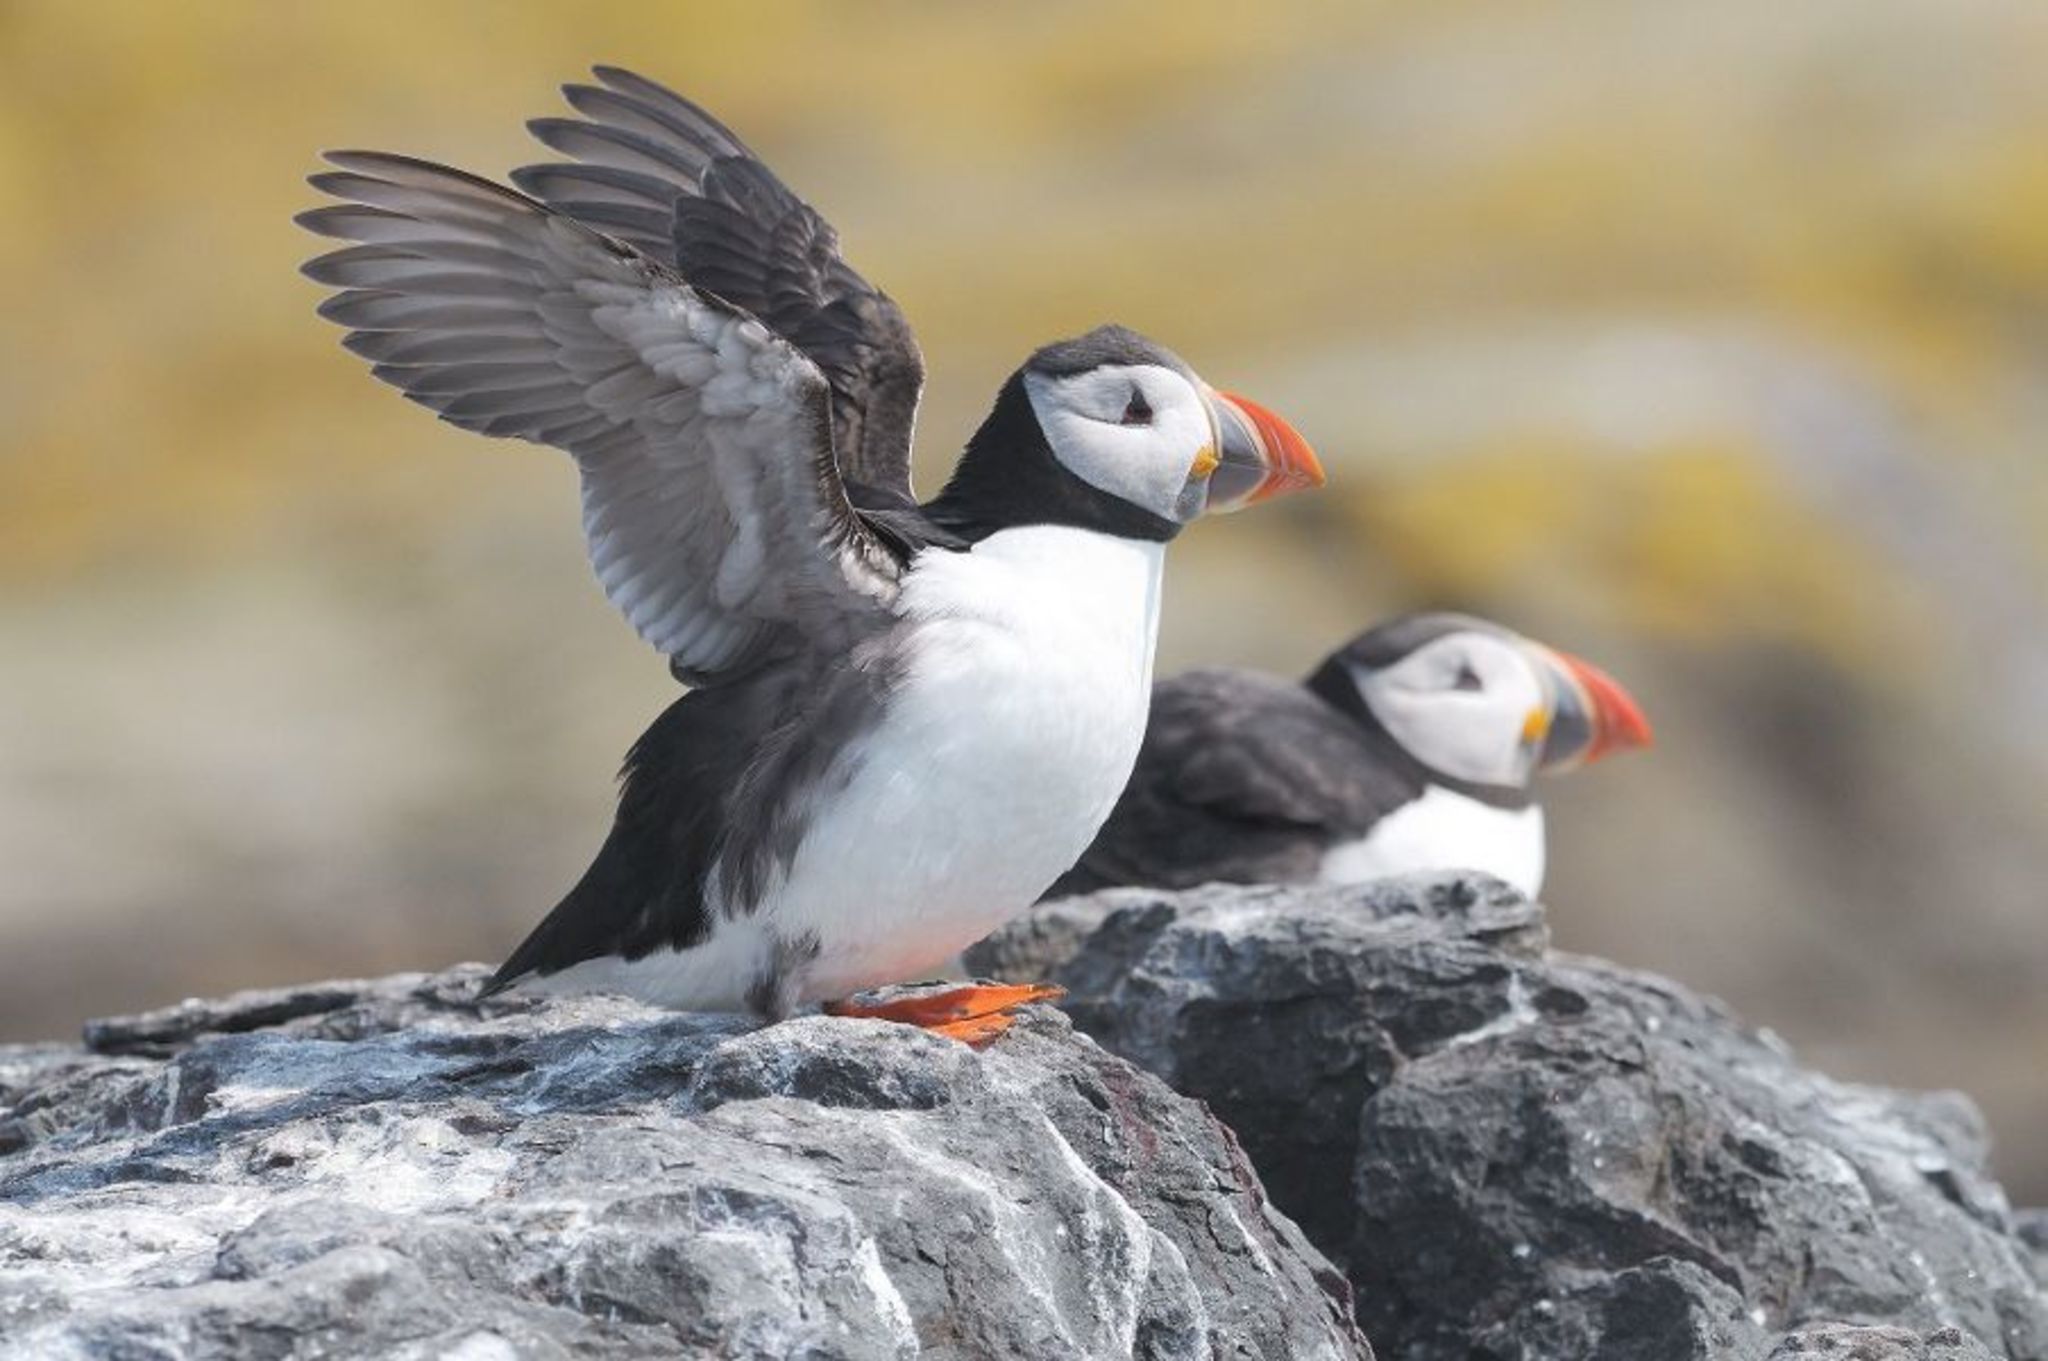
(1711, 341)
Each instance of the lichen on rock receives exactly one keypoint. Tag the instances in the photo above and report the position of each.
(380, 1169)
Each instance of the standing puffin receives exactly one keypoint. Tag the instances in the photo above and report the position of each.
(906, 720)
(1411, 748)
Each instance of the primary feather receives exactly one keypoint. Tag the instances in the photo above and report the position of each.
(713, 507)
(679, 186)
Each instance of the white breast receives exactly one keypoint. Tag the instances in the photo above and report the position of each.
(996, 762)
(1444, 830)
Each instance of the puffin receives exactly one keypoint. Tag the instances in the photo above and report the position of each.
(1410, 748)
(902, 720)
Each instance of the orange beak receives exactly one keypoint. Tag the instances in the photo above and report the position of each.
(1594, 716)
(1259, 455)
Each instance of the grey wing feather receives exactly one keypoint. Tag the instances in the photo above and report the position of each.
(713, 507)
(1243, 778)
(664, 176)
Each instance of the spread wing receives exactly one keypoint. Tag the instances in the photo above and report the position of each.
(1243, 778)
(712, 504)
(659, 173)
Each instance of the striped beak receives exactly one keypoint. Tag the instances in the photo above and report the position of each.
(1592, 717)
(1258, 455)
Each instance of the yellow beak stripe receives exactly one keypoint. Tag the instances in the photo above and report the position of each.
(1535, 725)
(1205, 462)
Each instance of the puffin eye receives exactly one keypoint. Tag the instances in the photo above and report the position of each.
(1137, 411)
(1467, 678)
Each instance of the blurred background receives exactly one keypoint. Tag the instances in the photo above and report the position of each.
(1709, 341)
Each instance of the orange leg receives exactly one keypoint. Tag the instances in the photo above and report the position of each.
(973, 1013)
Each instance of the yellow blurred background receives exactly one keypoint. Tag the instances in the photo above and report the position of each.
(1710, 341)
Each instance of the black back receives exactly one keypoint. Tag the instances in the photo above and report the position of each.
(1242, 778)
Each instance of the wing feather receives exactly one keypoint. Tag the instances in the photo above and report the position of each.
(713, 508)
(664, 176)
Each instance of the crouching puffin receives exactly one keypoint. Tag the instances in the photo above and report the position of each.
(1411, 748)
(905, 720)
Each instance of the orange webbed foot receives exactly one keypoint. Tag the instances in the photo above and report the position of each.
(973, 1013)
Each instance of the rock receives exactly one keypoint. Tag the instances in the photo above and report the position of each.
(1250, 998)
(1842, 1342)
(1519, 1154)
(2033, 1231)
(381, 1169)
(342, 1009)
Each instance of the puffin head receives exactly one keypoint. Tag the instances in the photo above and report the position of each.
(1480, 703)
(1115, 432)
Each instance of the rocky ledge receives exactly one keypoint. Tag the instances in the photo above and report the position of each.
(1514, 1155)
(1521, 1155)
(381, 1169)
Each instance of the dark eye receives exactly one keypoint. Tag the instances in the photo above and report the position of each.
(1137, 411)
(1467, 678)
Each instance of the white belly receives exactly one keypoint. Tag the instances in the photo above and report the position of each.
(998, 761)
(998, 758)
(1444, 830)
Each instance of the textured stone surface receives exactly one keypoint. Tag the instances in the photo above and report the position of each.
(1518, 1154)
(1842, 1342)
(2033, 1228)
(376, 1170)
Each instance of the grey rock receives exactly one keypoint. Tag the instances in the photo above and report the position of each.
(1520, 1154)
(2033, 1231)
(382, 1169)
(1845, 1342)
(1251, 998)
(338, 1009)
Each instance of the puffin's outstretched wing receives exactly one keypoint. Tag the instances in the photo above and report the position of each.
(1243, 778)
(667, 178)
(713, 506)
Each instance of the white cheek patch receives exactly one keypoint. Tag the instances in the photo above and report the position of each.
(1469, 734)
(1146, 465)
